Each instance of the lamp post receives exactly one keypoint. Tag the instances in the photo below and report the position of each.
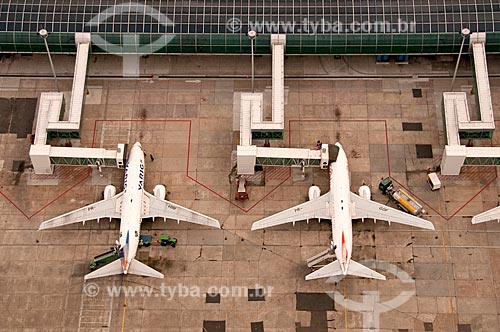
(44, 34)
(465, 33)
(252, 35)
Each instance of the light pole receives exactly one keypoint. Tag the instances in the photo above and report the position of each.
(252, 35)
(44, 34)
(465, 33)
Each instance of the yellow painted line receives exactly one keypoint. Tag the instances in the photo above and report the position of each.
(124, 310)
(444, 247)
(446, 260)
(345, 304)
(234, 244)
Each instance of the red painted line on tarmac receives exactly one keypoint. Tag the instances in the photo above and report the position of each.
(463, 205)
(47, 204)
(189, 150)
(224, 198)
(234, 204)
(93, 135)
(189, 159)
(387, 148)
(460, 208)
(61, 194)
(13, 204)
(216, 193)
(389, 162)
(417, 197)
(478, 193)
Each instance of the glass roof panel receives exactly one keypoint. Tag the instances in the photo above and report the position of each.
(238, 16)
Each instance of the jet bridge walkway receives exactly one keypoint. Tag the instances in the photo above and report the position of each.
(88, 156)
(45, 157)
(251, 156)
(252, 124)
(482, 156)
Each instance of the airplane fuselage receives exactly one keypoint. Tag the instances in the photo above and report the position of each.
(340, 209)
(131, 214)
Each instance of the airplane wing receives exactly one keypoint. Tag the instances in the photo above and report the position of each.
(317, 208)
(155, 207)
(492, 214)
(108, 208)
(369, 209)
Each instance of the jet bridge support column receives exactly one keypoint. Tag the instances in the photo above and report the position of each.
(457, 118)
(278, 43)
(252, 111)
(50, 109)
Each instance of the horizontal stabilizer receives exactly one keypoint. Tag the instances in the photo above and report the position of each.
(142, 269)
(330, 270)
(356, 269)
(111, 269)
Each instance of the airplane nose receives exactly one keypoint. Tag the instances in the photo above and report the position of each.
(138, 144)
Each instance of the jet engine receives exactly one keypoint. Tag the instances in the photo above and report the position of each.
(365, 192)
(314, 192)
(109, 191)
(160, 191)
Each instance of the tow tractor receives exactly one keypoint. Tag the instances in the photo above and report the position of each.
(402, 198)
(145, 240)
(166, 240)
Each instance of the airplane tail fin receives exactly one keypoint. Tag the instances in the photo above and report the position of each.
(334, 269)
(142, 269)
(111, 269)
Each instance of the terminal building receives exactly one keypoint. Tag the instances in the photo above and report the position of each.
(220, 26)
(341, 27)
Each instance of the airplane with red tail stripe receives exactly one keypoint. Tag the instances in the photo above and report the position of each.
(340, 205)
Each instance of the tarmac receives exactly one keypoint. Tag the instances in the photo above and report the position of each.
(443, 280)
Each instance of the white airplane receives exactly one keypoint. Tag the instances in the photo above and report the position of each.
(131, 206)
(340, 205)
(491, 214)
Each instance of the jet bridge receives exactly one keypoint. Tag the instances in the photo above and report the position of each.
(252, 121)
(251, 156)
(457, 118)
(44, 157)
(51, 123)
